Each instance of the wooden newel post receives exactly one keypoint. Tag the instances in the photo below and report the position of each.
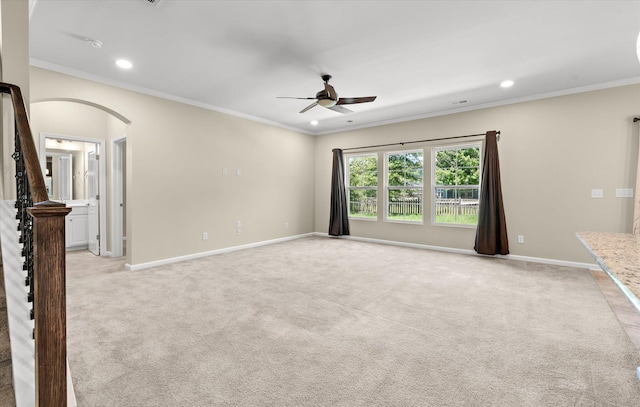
(49, 303)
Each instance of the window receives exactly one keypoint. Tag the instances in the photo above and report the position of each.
(405, 173)
(363, 186)
(456, 183)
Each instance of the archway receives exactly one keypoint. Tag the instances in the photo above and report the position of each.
(70, 119)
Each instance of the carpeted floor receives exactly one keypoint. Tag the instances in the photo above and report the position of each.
(333, 322)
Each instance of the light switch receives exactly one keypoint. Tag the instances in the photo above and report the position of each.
(597, 193)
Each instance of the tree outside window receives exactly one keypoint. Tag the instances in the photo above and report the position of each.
(405, 180)
(363, 186)
(456, 184)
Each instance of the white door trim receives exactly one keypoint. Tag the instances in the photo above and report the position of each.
(102, 177)
(117, 196)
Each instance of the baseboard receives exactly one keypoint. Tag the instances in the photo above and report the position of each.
(142, 266)
(564, 263)
(554, 262)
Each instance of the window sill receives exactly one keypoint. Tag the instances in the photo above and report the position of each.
(406, 222)
(454, 225)
(364, 219)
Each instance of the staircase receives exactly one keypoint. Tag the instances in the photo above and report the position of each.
(33, 368)
(7, 398)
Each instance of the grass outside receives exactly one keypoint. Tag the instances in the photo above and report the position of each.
(446, 219)
(457, 219)
(407, 218)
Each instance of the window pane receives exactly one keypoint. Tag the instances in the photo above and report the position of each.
(405, 178)
(452, 168)
(363, 203)
(405, 204)
(363, 171)
(457, 206)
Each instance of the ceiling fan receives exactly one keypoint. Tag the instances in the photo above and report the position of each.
(329, 98)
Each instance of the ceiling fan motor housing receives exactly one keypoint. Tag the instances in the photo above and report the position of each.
(325, 99)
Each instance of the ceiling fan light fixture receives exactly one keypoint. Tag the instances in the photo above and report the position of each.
(327, 102)
(313, 122)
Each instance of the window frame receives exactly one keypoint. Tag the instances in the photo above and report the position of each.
(477, 144)
(370, 188)
(387, 187)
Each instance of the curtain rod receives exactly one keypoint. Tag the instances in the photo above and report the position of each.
(636, 119)
(418, 141)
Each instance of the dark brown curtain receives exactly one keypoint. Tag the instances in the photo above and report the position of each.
(339, 218)
(491, 234)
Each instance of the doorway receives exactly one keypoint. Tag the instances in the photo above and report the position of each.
(87, 184)
(118, 197)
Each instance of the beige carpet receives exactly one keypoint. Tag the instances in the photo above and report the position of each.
(332, 322)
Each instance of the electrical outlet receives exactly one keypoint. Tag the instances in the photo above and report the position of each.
(624, 192)
(224, 171)
(238, 224)
(205, 236)
(521, 239)
(286, 225)
(239, 231)
(597, 193)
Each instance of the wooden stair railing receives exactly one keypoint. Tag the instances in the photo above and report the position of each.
(42, 233)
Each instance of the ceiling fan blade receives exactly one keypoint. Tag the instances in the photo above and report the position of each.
(351, 101)
(309, 107)
(340, 109)
(292, 97)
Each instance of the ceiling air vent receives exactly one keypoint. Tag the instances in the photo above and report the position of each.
(152, 2)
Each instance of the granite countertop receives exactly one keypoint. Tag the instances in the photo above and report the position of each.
(619, 255)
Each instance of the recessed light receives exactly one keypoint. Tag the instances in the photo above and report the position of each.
(124, 64)
(314, 122)
(507, 84)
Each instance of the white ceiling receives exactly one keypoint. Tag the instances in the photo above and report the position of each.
(416, 56)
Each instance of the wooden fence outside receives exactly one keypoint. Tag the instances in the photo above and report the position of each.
(457, 207)
(414, 207)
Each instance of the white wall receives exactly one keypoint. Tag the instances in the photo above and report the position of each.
(14, 69)
(552, 153)
(175, 187)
